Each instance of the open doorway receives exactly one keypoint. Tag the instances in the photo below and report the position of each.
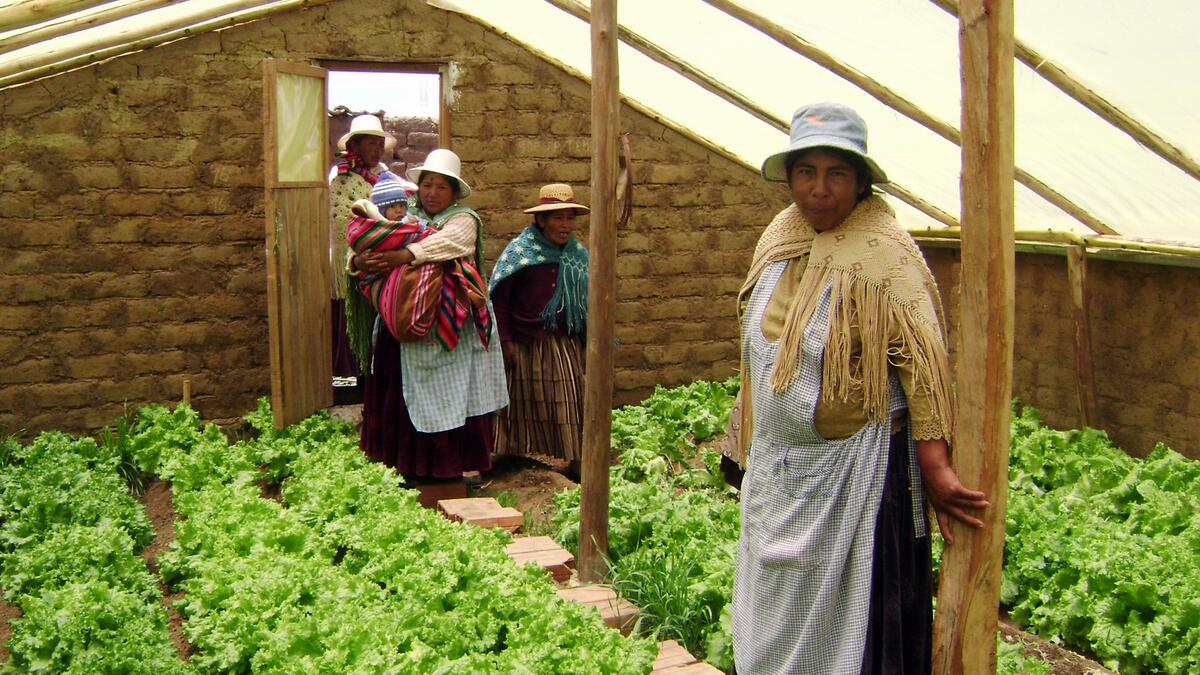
(409, 102)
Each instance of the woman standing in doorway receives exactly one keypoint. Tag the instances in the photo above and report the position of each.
(355, 173)
(427, 412)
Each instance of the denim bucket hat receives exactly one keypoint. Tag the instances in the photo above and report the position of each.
(823, 125)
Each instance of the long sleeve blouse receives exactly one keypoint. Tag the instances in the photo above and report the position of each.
(456, 239)
(518, 301)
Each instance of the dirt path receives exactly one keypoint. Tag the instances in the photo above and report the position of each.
(161, 510)
(1062, 660)
(8, 612)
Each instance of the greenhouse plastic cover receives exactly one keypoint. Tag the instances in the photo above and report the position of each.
(1142, 57)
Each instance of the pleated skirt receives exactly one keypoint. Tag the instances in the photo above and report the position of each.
(545, 390)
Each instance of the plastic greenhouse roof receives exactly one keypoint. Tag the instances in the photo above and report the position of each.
(1139, 56)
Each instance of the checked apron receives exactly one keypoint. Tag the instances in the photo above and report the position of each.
(802, 586)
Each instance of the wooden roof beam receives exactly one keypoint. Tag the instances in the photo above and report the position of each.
(898, 103)
(20, 13)
(71, 24)
(1085, 96)
(211, 17)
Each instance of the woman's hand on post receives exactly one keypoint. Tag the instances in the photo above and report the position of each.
(946, 493)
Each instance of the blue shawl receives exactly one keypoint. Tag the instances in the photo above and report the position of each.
(531, 248)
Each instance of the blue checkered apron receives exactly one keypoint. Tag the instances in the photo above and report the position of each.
(443, 388)
(802, 585)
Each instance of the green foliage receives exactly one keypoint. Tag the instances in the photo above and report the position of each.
(671, 421)
(91, 627)
(65, 481)
(69, 536)
(350, 574)
(1103, 550)
(73, 553)
(1010, 661)
(672, 528)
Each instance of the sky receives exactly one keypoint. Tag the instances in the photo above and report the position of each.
(397, 94)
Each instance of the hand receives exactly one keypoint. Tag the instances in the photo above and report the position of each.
(382, 262)
(509, 350)
(948, 496)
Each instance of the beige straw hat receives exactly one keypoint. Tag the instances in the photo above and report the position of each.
(556, 196)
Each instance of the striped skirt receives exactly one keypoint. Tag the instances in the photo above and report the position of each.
(545, 391)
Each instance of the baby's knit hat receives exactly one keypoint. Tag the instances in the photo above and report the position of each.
(389, 189)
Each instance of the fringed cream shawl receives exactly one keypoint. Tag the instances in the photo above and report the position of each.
(881, 286)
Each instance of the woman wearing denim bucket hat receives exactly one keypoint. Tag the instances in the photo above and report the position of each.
(427, 410)
(846, 412)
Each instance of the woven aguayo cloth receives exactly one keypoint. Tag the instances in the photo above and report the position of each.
(412, 300)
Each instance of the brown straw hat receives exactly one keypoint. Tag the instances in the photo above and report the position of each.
(556, 196)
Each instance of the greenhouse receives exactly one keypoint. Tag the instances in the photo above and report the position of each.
(188, 482)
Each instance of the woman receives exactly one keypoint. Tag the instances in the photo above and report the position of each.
(355, 173)
(427, 410)
(848, 409)
(539, 288)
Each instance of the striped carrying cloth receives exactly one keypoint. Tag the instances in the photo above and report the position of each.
(412, 300)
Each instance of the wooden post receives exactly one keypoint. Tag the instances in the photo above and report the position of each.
(1084, 374)
(969, 593)
(187, 391)
(602, 281)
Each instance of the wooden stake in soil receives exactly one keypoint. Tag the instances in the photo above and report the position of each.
(969, 593)
(187, 391)
(602, 281)
(1085, 379)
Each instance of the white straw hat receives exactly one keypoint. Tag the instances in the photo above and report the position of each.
(556, 196)
(444, 162)
(363, 125)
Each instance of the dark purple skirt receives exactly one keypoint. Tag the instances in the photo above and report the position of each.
(344, 363)
(388, 434)
(900, 623)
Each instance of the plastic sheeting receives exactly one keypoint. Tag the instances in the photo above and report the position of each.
(1140, 56)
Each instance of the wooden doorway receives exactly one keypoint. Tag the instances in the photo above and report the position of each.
(297, 241)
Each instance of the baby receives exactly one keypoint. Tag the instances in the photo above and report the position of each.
(391, 194)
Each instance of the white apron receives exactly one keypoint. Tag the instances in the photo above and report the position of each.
(802, 586)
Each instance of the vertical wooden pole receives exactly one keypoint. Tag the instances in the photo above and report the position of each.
(187, 391)
(1084, 374)
(969, 593)
(602, 281)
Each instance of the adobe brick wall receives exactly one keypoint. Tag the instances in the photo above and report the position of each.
(1145, 333)
(131, 212)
